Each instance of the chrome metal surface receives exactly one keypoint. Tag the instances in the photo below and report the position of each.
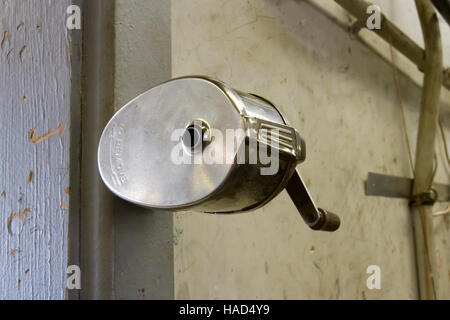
(135, 149)
(154, 151)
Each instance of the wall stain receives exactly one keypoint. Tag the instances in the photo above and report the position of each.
(176, 236)
(338, 288)
(317, 266)
(183, 291)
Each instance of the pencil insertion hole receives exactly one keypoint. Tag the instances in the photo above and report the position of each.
(194, 136)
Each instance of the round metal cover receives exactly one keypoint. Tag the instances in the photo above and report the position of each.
(137, 146)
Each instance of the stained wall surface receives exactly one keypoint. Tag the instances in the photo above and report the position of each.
(342, 98)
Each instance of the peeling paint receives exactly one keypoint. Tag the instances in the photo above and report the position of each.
(21, 51)
(64, 205)
(30, 177)
(20, 215)
(35, 140)
(5, 36)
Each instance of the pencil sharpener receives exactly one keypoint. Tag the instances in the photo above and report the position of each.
(195, 144)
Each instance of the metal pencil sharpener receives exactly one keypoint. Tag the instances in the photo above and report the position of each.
(194, 144)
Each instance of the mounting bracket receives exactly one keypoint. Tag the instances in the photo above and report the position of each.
(399, 187)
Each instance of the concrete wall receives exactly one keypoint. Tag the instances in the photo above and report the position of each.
(341, 97)
(144, 255)
(404, 14)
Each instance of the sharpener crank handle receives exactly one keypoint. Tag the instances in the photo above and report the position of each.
(315, 218)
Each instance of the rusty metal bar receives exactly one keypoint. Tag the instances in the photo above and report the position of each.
(393, 35)
(428, 122)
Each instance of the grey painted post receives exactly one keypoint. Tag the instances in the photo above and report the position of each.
(42, 141)
(35, 96)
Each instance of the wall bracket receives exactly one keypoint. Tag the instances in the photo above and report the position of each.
(399, 187)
